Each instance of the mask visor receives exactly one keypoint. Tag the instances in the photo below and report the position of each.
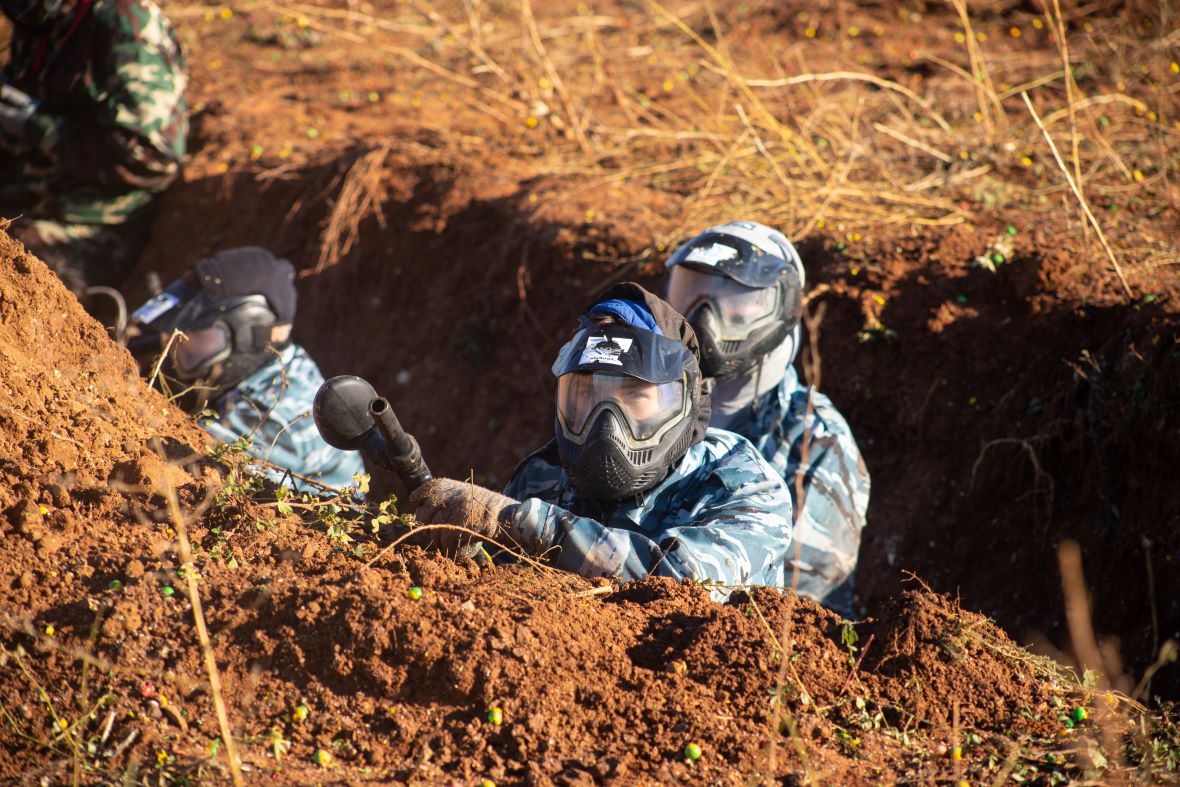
(204, 347)
(646, 407)
(739, 309)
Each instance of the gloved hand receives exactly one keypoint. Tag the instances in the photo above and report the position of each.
(16, 109)
(445, 501)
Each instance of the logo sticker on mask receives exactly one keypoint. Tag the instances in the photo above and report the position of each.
(711, 255)
(158, 305)
(605, 349)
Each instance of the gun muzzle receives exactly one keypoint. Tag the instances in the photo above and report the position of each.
(352, 417)
(402, 449)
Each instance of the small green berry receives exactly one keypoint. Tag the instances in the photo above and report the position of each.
(301, 713)
(998, 259)
(960, 299)
(114, 584)
(1080, 714)
(167, 590)
(495, 716)
(692, 752)
(415, 593)
(323, 758)
(1010, 230)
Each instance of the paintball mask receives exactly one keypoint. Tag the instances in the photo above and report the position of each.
(37, 15)
(740, 285)
(626, 406)
(234, 309)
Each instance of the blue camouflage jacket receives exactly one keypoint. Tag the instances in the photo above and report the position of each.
(273, 408)
(722, 515)
(835, 480)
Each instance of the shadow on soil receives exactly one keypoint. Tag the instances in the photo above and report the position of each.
(994, 426)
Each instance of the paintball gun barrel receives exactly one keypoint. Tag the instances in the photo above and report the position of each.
(352, 417)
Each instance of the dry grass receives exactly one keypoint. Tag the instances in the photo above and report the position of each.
(667, 98)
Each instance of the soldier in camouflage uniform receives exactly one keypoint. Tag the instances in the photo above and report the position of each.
(741, 287)
(238, 365)
(92, 126)
(634, 483)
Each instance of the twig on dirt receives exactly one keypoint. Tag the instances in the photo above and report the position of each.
(417, 529)
(164, 354)
(781, 713)
(602, 591)
(856, 667)
(1081, 199)
(83, 698)
(945, 158)
(833, 76)
(1081, 632)
(956, 749)
(1038, 474)
(194, 595)
(122, 747)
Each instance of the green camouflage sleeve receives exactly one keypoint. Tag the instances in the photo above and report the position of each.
(135, 135)
(722, 516)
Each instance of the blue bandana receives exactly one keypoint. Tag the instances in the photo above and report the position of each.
(634, 313)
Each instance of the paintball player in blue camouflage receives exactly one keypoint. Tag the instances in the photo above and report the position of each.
(741, 287)
(236, 361)
(92, 125)
(634, 483)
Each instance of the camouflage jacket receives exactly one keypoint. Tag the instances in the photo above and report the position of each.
(112, 124)
(273, 408)
(835, 479)
(722, 515)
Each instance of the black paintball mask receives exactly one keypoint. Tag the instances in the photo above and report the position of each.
(740, 285)
(37, 15)
(234, 310)
(627, 406)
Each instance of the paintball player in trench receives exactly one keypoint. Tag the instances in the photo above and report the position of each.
(237, 366)
(741, 287)
(634, 482)
(92, 126)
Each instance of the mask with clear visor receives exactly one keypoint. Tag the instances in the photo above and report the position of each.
(625, 409)
(225, 339)
(740, 286)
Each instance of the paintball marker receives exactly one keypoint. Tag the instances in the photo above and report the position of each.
(352, 417)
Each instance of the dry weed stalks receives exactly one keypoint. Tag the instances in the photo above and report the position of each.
(1077, 192)
(190, 578)
(360, 197)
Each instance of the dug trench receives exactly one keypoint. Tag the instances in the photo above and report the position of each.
(993, 427)
(999, 413)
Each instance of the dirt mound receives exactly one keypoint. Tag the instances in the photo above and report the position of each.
(415, 668)
(933, 655)
(75, 424)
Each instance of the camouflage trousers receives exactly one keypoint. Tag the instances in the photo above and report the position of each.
(85, 255)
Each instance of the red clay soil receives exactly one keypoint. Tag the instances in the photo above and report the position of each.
(103, 677)
(999, 413)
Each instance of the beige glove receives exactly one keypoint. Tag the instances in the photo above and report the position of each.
(445, 501)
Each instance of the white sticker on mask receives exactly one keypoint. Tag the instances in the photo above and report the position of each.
(158, 305)
(711, 255)
(605, 349)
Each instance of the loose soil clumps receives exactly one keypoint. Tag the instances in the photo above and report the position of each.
(514, 673)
